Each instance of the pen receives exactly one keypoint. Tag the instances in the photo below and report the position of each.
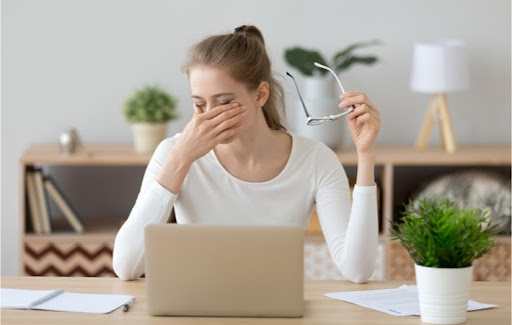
(45, 299)
(127, 305)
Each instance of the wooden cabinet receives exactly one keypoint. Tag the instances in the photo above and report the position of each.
(399, 170)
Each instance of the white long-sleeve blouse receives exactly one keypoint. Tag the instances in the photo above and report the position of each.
(313, 175)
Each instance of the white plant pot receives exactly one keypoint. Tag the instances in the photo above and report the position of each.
(147, 136)
(443, 293)
(321, 100)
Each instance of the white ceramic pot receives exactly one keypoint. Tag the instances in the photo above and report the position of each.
(321, 100)
(147, 136)
(443, 293)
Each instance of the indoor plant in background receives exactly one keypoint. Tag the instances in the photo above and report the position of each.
(443, 241)
(148, 111)
(318, 87)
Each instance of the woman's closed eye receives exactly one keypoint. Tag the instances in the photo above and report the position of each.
(224, 101)
(202, 106)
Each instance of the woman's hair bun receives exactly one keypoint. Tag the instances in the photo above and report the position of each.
(251, 31)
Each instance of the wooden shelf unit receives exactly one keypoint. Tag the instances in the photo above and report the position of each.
(390, 162)
(65, 253)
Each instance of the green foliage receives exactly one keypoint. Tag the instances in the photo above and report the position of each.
(437, 234)
(150, 104)
(303, 59)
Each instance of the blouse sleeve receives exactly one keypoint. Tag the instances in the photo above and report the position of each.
(153, 205)
(350, 228)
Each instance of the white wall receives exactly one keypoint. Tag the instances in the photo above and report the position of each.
(73, 63)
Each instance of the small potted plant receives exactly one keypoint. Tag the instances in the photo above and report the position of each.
(148, 111)
(443, 241)
(318, 88)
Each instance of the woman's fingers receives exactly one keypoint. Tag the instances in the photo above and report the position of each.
(197, 110)
(352, 98)
(360, 101)
(207, 122)
(213, 124)
(362, 118)
(360, 110)
(354, 95)
(227, 133)
(229, 122)
(208, 128)
(224, 116)
(210, 114)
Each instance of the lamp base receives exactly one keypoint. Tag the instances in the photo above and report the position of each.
(438, 107)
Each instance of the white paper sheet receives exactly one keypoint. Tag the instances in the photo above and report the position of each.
(21, 299)
(85, 303)
(401, 301)
(65, 301)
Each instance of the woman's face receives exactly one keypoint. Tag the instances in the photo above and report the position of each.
(212, 87)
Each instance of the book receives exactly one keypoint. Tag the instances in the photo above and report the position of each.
(64, 205)
(44, 215)
(32, 203)
(60, 300)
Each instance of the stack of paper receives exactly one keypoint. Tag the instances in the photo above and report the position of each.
(401, 301)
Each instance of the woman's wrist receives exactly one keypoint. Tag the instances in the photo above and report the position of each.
(366, 168)
(368, 153)
(174, 171)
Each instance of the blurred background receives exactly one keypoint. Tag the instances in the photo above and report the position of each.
(74, 64)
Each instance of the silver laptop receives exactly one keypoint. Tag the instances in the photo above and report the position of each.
(207, 270)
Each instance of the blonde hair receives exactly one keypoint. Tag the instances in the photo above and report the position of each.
(244, 55)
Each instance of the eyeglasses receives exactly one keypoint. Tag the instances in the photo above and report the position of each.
(320, 120)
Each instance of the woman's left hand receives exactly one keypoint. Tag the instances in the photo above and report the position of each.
(364, 121)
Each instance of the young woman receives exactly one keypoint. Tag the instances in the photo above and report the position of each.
(235, 163)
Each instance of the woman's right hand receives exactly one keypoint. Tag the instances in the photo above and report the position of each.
(200, 135)
(206, 130)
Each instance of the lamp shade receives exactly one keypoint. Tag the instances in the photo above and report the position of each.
(439, 67)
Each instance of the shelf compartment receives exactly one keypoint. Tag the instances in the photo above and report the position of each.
(494, 266)
(96, 229)
(65, 253)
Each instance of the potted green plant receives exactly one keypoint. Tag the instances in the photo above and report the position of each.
(443, 241)
(318, 88)
(302, 59)
(148, 111)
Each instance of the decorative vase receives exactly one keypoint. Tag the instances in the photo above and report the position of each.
(320, 100)
(443, 293)
(147, 136)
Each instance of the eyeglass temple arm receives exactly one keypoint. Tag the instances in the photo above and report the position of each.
(333, 73)
(337, 79)
(300, 97)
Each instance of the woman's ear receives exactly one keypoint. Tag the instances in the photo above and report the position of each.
(262, 94)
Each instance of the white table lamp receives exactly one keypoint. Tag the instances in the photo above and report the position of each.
(439, 68)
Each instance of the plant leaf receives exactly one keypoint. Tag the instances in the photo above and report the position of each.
(348, 50)
(303, 60)
(347, 63)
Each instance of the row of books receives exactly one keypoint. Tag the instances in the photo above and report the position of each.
(41, 188)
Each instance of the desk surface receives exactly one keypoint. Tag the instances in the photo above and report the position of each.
(318, 308)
